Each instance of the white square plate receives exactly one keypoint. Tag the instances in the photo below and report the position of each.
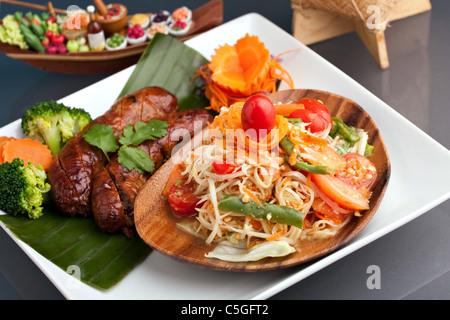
(410, 192)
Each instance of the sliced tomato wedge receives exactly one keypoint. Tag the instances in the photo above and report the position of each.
(223, 167)
(358, 171)
(325, 156)
(324, 211)
(315, 113)
(182, 199)
(340, 192)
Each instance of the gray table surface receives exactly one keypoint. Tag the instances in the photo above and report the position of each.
(414, 260)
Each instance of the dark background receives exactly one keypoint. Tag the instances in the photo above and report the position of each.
(416, 85)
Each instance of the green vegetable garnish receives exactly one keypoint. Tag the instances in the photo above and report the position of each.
(54, 123)
(23, 189)
(135, 158)
(102, 136)
(143, 131)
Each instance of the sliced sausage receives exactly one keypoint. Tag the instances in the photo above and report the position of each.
(128, 183)
(72, 170)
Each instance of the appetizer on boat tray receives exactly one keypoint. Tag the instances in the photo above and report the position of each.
(44, 40)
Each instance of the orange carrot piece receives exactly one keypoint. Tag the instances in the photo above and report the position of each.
(28, 149)
(287, 109)
(3, 141)
(276, 235)
(241, 70)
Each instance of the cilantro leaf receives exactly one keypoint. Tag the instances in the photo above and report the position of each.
(143, 131)
(102, 136)
(135, 158)
(126, 138)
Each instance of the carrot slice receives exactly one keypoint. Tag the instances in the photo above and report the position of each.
(241, 67)
(239, 71)
(3, 141)
(254, 59)
(287, 109)
(227, 71)
(28, 149)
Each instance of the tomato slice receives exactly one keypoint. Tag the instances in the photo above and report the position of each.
(223, 167)
(182, 199)
(358, 171)
(340, 192)
(325, 156)
(325, 211)
(315, 113)
(258, 113)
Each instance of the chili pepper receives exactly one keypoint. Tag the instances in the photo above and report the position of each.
(288, 146)
(265, 211)
(345, 131)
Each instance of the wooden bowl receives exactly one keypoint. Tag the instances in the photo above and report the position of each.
(156, 224)
(113, 25)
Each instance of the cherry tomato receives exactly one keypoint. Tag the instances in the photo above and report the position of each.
(45, 41)
(259, 114)
(315, 113)
(223, 167)
(182, 199)
(358, 171)
(343, 194)
(58, 40)
(49, 34)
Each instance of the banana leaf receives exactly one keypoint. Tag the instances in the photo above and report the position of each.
(169, 63)
(102, 259)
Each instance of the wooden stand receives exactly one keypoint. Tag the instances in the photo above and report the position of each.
(313, 25)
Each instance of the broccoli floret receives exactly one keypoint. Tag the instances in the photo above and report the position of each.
(54, 123)
(23, 189)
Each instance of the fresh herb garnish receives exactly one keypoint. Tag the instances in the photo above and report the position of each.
(143, 131)
(131, 157)
(135, 158)
(102, 136)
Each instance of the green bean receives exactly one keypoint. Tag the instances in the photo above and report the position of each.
(288, 146)
(304, 166)
(265, 211)
(345, 131)
(294, 121)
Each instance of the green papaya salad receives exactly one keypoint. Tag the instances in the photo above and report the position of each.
(267, 175)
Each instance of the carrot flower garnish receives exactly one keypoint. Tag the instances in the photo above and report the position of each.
(237, 72)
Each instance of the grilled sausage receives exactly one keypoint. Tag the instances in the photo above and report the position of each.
(104, 192)
(128, 183)
(70, 175)
(182, 126)
(72, 170)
